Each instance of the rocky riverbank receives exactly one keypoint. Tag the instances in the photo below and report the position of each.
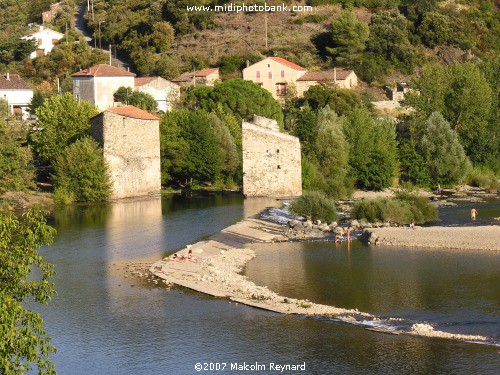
(216, 266)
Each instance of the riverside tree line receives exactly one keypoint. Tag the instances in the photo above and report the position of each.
(452, 133)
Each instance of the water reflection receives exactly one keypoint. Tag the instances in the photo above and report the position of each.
(456, 289)
(101, 324)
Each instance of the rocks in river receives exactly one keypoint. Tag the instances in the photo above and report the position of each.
(339, 231)
(446, 204)
(355, 224)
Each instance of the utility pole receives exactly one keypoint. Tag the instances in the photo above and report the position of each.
(100, 45)
(265, 25)
(110, 55)
(92, 11)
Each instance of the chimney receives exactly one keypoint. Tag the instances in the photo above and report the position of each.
(8, 76)
(41, 28)
(248, 63)
(335, 75)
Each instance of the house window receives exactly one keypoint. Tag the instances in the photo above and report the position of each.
(281, 88)
(40, 41)
(258, 73)
(282, 74)
(54, 42)
(268, 65)
(270, 75)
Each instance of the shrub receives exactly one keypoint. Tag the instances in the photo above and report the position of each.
(81, 173)
(315, 205)
(484, 178)
(405, 208)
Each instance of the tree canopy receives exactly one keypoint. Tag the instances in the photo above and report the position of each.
(24, 342)
(61, 121)
(242, 98)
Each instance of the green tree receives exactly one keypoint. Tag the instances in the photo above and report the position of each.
(199, 157)
(445, 156)
(229, 157)
(242, 98)
(16, 161)
(342, 101)
(332, 155)
(162, 36)
(81, 173)
(138, 99)
(373, 157)
(61, 121)
(24, 342)
(455, 92)
(305, 129)
(435, 29)
(389, 38)
(349, 36)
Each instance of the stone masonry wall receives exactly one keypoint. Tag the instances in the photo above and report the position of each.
(271, 161)
(132, 150)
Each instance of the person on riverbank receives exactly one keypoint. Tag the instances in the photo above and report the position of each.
(473, 213)
(190, 256)
(349, 234)
(178, 258)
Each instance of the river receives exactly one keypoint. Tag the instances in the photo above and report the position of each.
(104, 323)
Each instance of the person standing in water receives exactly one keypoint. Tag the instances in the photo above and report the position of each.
(473, 213)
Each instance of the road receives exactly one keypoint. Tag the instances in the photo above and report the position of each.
(79, 25)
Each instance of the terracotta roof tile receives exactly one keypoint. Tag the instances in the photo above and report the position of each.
(131, 111)
(141, 81)
(103, 70)
(325, 75)
(15, 82)
(187, 76)
(206, 72)
(288, 63)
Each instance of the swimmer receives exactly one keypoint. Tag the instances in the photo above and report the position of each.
(473, 214)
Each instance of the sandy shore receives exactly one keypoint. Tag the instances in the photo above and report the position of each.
(458, 238)
(217, 268)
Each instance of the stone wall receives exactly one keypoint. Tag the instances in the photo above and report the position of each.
(132, 150)
(271, 160)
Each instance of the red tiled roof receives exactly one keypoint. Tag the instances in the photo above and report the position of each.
(14, 82)
(325, 75)
(206, 72)
(288, 63)
(140, 81)
(103, 70)
(184, 77)
(131, 111)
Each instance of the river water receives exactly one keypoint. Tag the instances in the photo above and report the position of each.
(104, 323)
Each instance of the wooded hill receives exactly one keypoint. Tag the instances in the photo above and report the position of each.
(373, 37)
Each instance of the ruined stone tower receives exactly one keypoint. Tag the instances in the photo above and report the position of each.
(271, 160)
(130, 138)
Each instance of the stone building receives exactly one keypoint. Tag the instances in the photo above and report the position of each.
(130, 138)
(99, 83)
(204, 77)
(165, 93)
(276, 74)
(271, 160)
(341, 78)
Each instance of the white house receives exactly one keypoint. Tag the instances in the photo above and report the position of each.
(45, 39)
(165, 93)
(98, 84)
(17, 93)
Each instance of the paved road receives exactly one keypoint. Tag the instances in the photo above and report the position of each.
(79, 25)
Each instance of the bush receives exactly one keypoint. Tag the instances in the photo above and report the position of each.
(315, 205)
(484, 178)
(81, 173)
(405, 208)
